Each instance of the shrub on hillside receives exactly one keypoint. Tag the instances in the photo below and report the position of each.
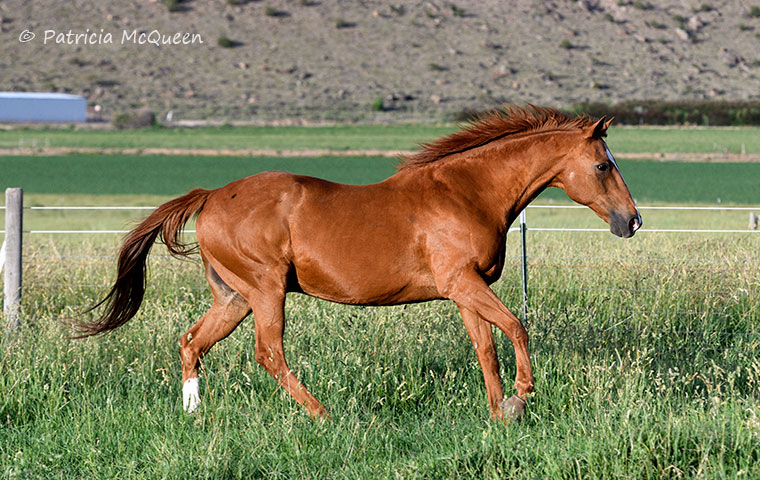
(173, 5)
(136, 119)
(658, 112)
(226, 42)
(378, 105)
(692, 112)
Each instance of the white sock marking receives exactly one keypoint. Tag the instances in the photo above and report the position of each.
(190, 395)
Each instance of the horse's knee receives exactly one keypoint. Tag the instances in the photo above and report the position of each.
(520, 334)
(487, 352)
(488, 349)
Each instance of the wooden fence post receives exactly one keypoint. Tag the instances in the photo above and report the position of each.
(14, 201)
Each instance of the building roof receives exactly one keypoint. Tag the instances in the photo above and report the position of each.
(39, 95)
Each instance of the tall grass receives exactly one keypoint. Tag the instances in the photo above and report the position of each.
(644, 353)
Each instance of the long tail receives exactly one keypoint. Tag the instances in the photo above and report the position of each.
(126, 295)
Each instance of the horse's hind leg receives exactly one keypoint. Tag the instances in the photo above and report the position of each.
(225, 314)
(269, 318)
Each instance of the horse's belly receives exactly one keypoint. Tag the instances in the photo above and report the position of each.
(371, 286)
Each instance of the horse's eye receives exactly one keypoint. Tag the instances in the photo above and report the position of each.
(602, 167)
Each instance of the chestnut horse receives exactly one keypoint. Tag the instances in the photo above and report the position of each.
(434, 230)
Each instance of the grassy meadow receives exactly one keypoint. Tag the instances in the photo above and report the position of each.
(363, 137)
(165, 175)
(644, 350)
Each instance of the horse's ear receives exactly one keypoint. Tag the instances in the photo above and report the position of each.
(598, 129)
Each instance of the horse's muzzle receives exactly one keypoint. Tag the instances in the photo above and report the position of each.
(623, 225)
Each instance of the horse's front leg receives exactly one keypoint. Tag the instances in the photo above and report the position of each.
(485, 348)
(477, 301)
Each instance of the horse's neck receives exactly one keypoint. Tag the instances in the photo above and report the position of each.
(509, 173)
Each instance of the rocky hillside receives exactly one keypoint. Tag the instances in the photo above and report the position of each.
(375, 60)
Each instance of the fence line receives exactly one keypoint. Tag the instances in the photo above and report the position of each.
(522, 229)
(512, 230)
(654, 207)
(640, 207)
(537, 229)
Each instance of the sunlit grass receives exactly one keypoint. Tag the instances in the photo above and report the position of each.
(644, 352)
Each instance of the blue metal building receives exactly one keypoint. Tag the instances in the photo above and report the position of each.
(42, 107)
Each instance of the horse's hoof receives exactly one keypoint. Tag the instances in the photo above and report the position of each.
(513, 408)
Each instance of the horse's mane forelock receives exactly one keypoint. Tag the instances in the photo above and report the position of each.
(492, 125)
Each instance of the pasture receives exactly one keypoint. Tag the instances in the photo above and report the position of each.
(643, 349)
(167, 175)
(363, 137)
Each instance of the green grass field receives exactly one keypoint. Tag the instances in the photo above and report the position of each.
(644, 350)
(650, 181)
(383, 137)
(644, 353)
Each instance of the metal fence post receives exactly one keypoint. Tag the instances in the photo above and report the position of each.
(14, 201)
(524, 261)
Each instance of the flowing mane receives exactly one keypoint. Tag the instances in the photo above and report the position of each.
(492, 125)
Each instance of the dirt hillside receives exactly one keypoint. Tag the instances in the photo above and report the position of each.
(331, 59)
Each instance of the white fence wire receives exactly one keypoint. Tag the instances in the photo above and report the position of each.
(542, 267)
(513, 229)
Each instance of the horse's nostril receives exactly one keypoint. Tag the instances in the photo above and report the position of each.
(634, 223)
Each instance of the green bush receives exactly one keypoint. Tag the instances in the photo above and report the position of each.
(456, 11)
(658, 112)
(172, 5)
(378, 105)
(225, 42)
(693, 112)
(137, 119)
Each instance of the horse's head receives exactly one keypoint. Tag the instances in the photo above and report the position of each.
(591, 177)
